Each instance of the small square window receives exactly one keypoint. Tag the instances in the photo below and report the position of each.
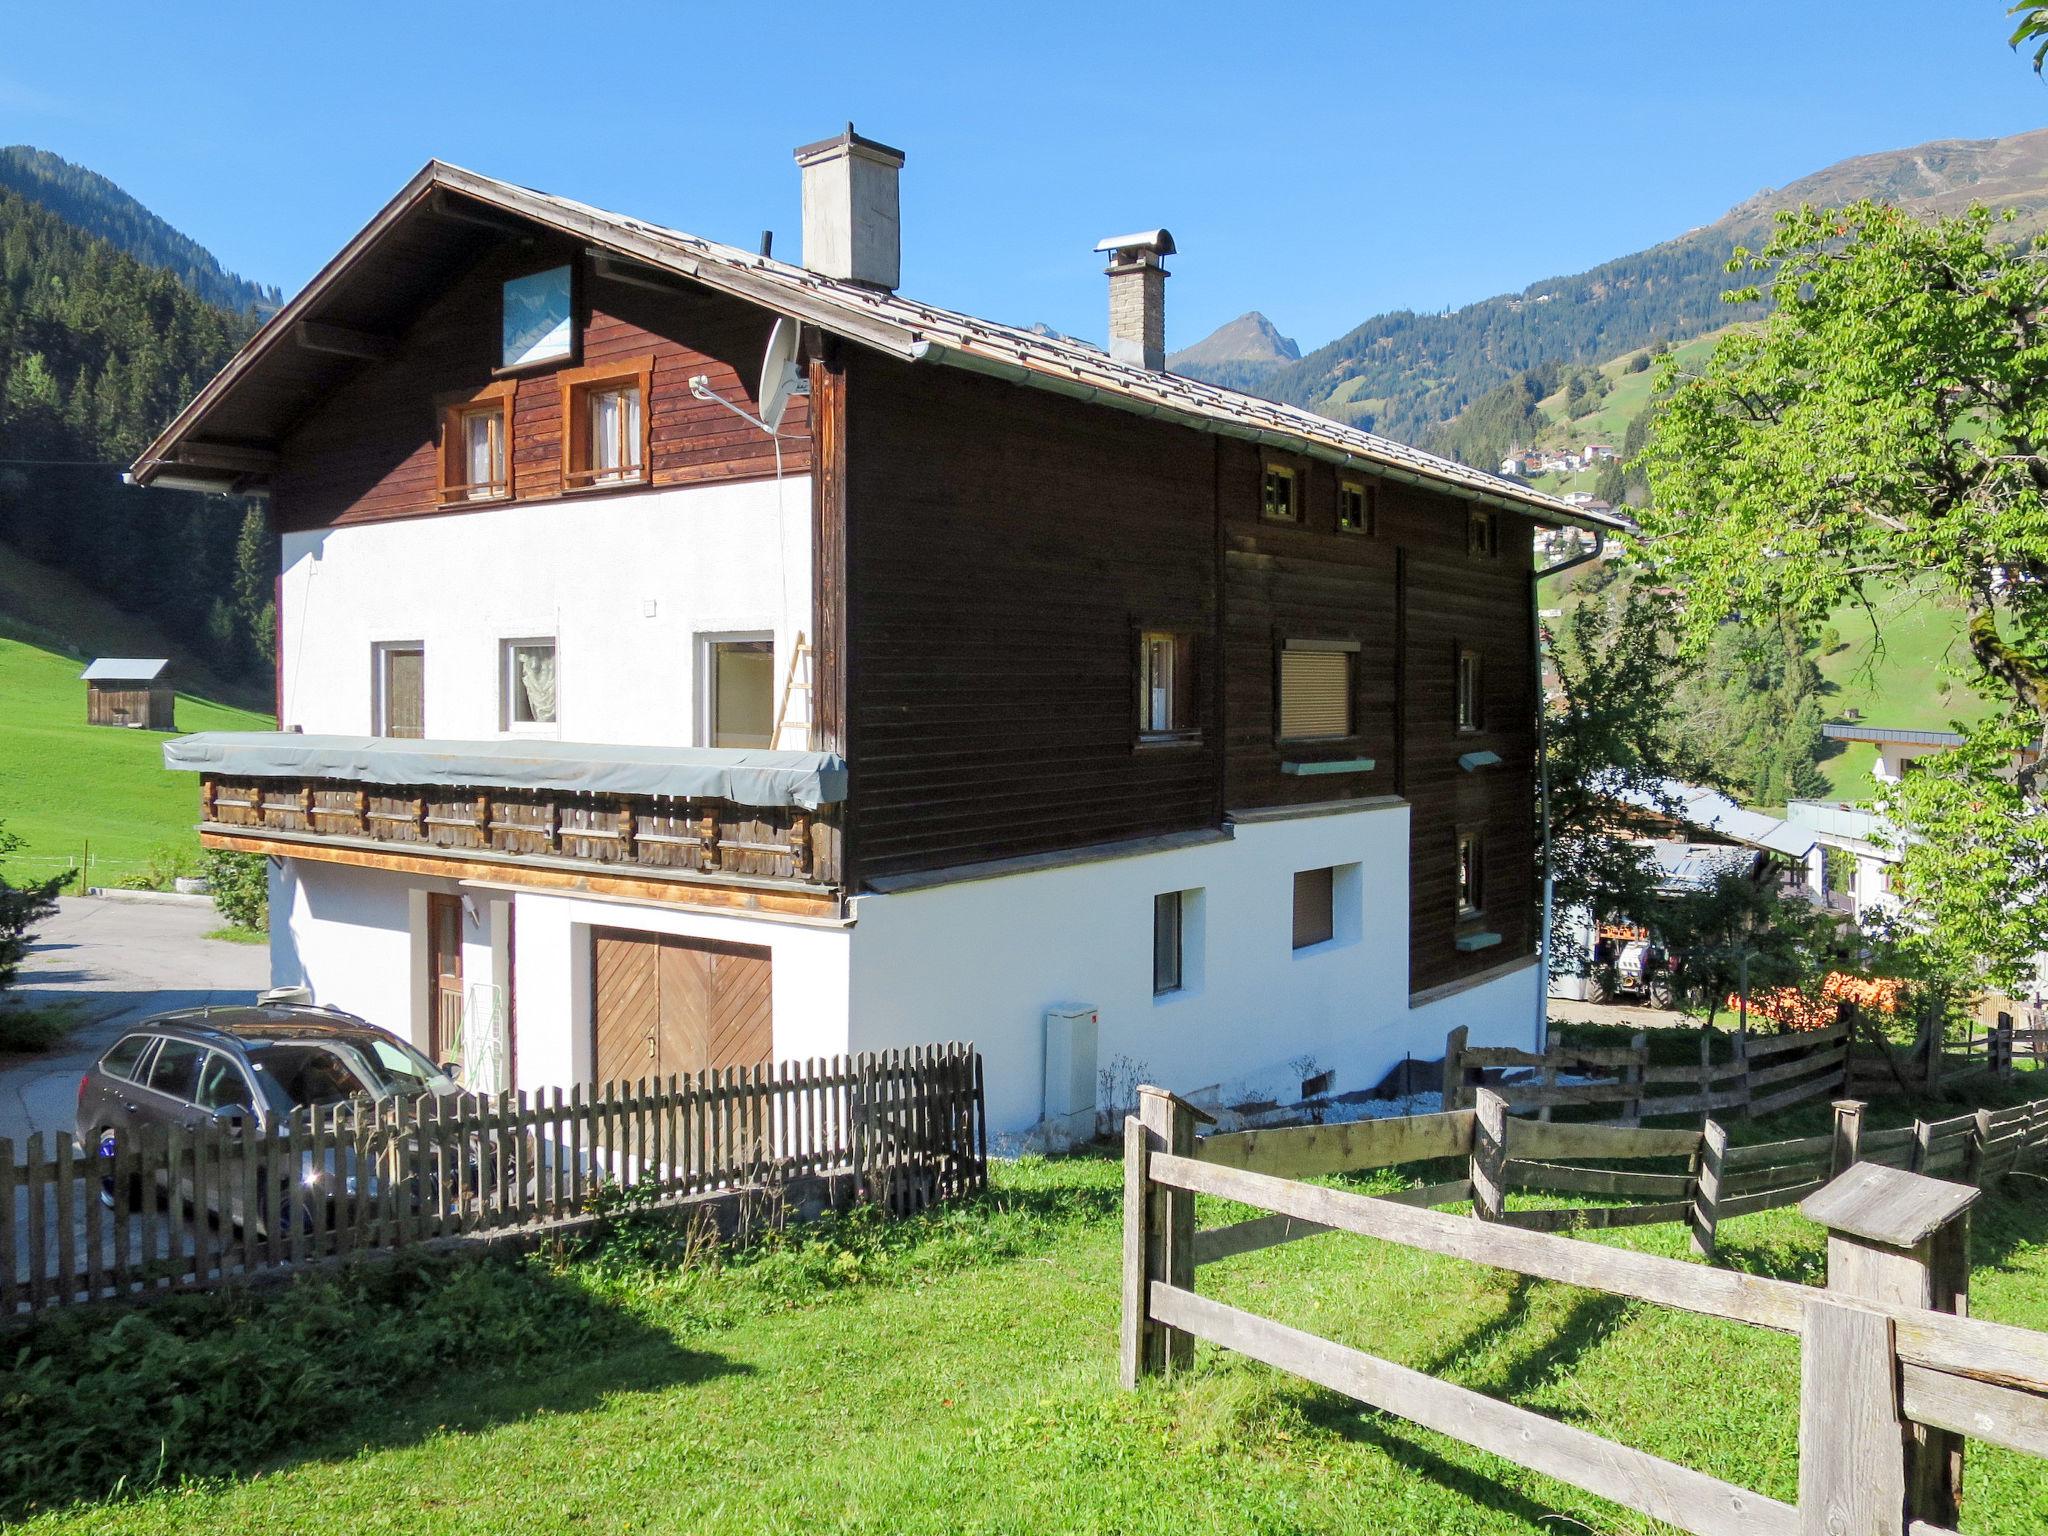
(529, 685)
(1482, 533)
(1471, 700)
(401, 690)
(1278, 496)
(1167, 708)
(1316, 690)
(1471, 873)
(1315, 906)
(604, 425)
(740, 692)
(1167, 953)
(1355, 509)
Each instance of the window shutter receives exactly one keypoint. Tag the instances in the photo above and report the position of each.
(1315, 694)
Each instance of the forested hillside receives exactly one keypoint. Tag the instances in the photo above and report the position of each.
(88, 201)
(97, 351)
(1405, 375)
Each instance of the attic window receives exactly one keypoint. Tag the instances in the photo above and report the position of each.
(605, 424)
(476, 462)
(1482, 534)
(1355, 507)
(1279, 495)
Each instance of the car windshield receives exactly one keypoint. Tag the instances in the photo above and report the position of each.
(299, 1073)
(331, 1071)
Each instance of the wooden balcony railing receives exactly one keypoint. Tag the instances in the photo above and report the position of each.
(687, 837)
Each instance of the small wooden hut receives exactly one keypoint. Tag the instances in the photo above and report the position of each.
(128, 690)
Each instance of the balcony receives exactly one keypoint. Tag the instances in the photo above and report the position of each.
(574, 815)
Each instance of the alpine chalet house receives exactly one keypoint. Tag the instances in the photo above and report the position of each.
(646, 707)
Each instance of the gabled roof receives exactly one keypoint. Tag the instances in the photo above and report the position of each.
(1711, 811)
(124, 669)
(306, 345)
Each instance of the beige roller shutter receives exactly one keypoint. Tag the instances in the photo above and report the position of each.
(1315, 694)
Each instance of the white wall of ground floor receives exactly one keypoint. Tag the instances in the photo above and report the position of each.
(981, 960)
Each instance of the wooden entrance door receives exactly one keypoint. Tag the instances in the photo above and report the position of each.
(444, 976)
(664, 1006)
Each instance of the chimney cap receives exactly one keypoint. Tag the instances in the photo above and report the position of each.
(848, 140)
(1158, 241)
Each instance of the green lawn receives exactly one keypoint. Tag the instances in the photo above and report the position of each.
(960, 1377)
(65, 784)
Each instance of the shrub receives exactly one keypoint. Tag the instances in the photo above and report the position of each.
(241, 888)
(167, 864)
(21, 908)
(96, 1404)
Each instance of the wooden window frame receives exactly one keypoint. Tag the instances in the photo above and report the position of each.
(1188, 655)
(577, 385)
(1468, 706)
(1368, 508)
(1268, 471)
(1350, 649)
(1482, 533)
(1474, 837)
(452, 409)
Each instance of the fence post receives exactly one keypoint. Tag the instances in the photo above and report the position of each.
(1899, 1239)
(1848, 1148)
(1741, 1044)
(1159, 1231)
(2001, 1046)
(1637, 1074)
(1489, 1154)
(1454, 1068)
(1706, 1187)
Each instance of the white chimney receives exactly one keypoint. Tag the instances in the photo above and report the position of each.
(852, 226)
(1137, 296)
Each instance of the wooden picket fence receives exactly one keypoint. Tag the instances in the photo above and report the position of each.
(180, 1209)
(1766, 1074)
(1892, 1378)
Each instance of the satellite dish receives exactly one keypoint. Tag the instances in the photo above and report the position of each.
(780, 376)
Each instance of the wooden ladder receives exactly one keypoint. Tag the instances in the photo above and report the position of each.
(796, 680)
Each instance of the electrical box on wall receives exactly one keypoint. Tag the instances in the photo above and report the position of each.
(1071, 1032)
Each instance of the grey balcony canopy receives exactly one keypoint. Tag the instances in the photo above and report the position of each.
(742, 775)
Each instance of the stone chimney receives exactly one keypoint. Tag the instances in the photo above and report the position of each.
(1137, 296)
(852, 227)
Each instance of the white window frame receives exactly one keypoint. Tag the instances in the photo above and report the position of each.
(380, 704)
(508, 687)
(707, 676)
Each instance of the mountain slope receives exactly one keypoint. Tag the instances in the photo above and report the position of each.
(1251, 340)
(88, 201)
(1403, 374)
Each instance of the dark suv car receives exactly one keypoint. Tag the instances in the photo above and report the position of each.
(247, 1065)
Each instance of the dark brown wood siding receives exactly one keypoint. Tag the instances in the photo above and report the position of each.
(1006, 546)
(1454, 600)
(368, 450)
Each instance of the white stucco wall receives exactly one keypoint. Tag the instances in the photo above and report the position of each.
(625, 583)
(984, 960)
(356, 938)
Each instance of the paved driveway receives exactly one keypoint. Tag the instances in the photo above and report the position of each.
(122, 960)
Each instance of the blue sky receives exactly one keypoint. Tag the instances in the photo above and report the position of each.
(1321, 163)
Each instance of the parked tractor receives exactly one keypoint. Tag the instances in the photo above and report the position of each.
(1627, 963)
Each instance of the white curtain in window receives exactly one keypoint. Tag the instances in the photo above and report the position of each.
(615, 432)
(537, 682)
(481, 451)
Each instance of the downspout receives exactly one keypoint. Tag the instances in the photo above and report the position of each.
(1541, 1022)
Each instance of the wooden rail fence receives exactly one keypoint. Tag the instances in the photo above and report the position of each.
(1767, 1074)
(188, 1208)
(1892, 1379)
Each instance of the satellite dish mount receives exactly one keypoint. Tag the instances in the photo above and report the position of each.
(780, 379)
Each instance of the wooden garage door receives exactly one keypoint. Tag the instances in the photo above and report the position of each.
(665, 1006)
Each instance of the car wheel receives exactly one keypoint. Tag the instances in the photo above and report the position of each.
(107, 1139)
